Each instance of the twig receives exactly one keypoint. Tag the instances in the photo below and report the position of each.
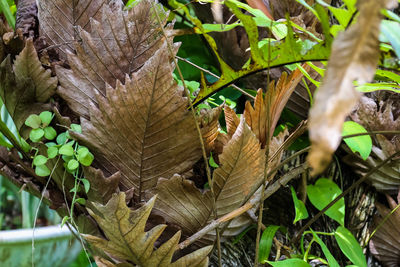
(233, 214)
(357, 183)
(193, 112)
(214, 75)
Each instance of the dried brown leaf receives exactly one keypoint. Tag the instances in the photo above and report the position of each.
(24, 84)
(385, 244)
(120, 42)
(143, 128)
(59, 20)
(267, 110)
(127, 240)
(101, 188)
(210, 127)
(241, 168)
(354, 57)
(231, 119)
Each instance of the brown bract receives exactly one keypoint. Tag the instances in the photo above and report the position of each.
(25, 85)
(127, 241)
(120, 42)
(59, 20)
(354, 57)
(241, 168)
(267, 110)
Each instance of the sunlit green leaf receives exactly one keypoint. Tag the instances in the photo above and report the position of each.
(39, 160)
(300, 208)
(361, 144)
(86, 185)
(46, 117)
(322, 193)
(49, 133)
(72, 164)
(289, 262)
(42, 170)
(52, 152)
(36, 134)
(331, 260)
(350, 246)
(266, 243)
(66, 150)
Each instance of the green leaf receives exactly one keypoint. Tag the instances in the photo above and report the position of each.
(5, 8)
(76, 128)
(212, 163)
(266, 243)
(300, 208)
(289, 262)
(86, 185)
(81, 201)
(322, 193)
(64, 220)
(73, 164)
(350, 247)
(61, 138)
(66, 150)
(361, 144)
(39, 160)
(84, 156)
(42, 170)
(391, 30)
(52, 152)
(46, 117)
(50, 133)
(36, 135)
(33, 121)
(331, 260)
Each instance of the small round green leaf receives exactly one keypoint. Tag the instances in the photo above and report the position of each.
(33, 121)
(42, 170)
(52, 152)
(86, 184)
(350, 246)
(50, 133)
(85, 157)
(66, 150)
(36, 135)
(322, 193)
(61, 138)
(64, 220)
(81, 201)
(361, 144)
(73, 164)
(76, 128)
(39, 160)
(46, 117)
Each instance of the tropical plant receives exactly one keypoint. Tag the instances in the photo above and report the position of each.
(108, 136)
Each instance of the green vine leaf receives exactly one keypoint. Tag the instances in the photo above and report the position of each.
(361, 144)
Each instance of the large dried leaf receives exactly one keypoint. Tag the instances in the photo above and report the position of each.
(241, 168)
(120, 43)
(354, 57)
(59, 20)
(127, 240)
(266, 112)
(101, 187)
(143, 128)
(24, 84)
(210, 127)
(385, 244)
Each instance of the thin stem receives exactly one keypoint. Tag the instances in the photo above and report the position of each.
(193, 112)
(214, 75)
(370, 133)
(357, 183)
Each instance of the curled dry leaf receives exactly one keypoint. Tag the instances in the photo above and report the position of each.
(101, 188)
(385, 244)
(241, 168)
(354, 57)
(143, 128)
(210, 127)
(267, 110)
(24, 84)
(120, 42)
(59, 20)
(127, 241)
